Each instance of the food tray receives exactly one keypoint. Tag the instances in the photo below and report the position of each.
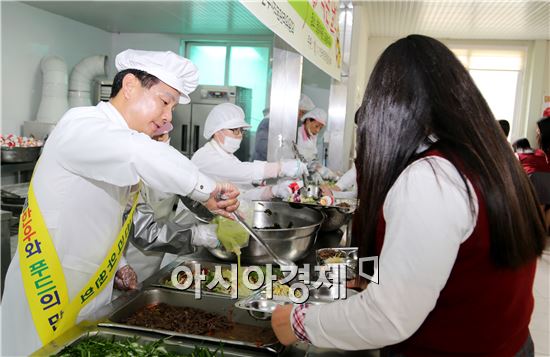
(160, 281)
(339, 203)
(166, 274)
(335, 216)
(247, 326)
(178, 346)
(349, 259)
(260, 307)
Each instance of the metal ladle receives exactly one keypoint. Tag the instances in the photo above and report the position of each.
(203, 214)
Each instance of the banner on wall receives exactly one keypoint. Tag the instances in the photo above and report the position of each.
(309, 26)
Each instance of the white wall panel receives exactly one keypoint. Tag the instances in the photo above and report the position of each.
(29, 34)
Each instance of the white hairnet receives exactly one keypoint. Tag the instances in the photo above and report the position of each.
(318, 114)
(306, 103)
(224, 116)
(176, 71)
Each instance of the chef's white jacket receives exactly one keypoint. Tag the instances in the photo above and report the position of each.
(82, 185)
(348, 181)
(307, 145)
(214, 161)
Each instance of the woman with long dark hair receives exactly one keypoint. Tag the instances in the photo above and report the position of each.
(448, 209)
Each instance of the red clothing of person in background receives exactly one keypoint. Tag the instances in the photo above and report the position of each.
(534, 161)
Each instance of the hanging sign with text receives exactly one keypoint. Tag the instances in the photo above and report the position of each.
(309, 26)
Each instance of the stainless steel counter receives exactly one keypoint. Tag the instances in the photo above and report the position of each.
(331, 239)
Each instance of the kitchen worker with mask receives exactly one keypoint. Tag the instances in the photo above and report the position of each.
(262, 132)
(224, 127)
(72, 231)
(312, 123)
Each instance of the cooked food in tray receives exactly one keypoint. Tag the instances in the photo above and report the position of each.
(193, 321)
(332, 256)
(180, 319)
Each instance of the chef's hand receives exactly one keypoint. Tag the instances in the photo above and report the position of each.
(282, 189)
(162, 138)
(280, 323)
(223, 200)
(126, 278)
(325, 190)
(292, 168)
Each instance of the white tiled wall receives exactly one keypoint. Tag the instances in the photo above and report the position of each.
(540, 322)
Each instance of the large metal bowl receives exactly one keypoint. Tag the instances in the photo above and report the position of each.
(335, 217)
(20, 154)
(299, 227)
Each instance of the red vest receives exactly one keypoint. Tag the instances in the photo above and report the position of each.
(483, 310)
(534, 162)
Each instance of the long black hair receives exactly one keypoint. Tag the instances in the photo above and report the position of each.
(417, 88)
(543, 136)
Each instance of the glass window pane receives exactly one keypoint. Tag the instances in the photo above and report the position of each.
(499, 90)
(248, 67)
(211, 63)
(496, 60)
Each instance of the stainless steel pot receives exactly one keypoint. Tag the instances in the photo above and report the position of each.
(20, 154)
(289, 230)
(335, 217)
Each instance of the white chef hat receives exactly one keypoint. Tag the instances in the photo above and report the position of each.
(224, 116)
(176, 71)
(306, 103)
(318, 114)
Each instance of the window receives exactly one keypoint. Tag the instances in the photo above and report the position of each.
(211, 63)
(235, 65)
(498, 74)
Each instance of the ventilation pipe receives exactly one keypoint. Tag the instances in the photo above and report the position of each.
(54, 90)
(80, 83)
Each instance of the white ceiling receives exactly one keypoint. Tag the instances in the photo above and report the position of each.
(456, 19)
(479, 19)
(226, 17)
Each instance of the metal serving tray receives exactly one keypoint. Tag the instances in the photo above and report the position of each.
(179, 346)
(260, 307)
(160, 280)
(349, 260)
(210, 303)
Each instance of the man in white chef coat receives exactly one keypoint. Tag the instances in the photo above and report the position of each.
(91, 163)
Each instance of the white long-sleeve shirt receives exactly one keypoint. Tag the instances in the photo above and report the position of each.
(427, 217)
(214, 161)
(348, 181)
(82, 185)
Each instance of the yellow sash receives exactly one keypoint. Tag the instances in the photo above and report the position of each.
(43, 276)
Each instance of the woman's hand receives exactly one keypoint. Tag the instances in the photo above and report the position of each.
(358, 284)
(280, 323)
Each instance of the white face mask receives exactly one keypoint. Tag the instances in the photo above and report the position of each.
(231, 144)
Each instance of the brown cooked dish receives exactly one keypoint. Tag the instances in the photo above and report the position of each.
(330, 253)
(188, 320)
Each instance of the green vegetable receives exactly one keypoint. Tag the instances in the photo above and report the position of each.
(92, 346)
(231, 234)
